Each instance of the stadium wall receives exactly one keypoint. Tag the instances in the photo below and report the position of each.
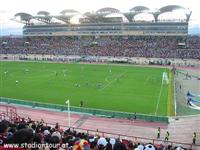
(99, 59)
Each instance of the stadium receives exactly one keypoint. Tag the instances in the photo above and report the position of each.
(109, 80)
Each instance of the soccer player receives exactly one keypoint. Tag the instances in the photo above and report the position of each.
(106, 80)
(81, 103)
(98, 85)
(6, 72)
(16, 82)
(26, 70)
(87, 84)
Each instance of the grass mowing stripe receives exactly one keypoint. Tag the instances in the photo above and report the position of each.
(170, 100)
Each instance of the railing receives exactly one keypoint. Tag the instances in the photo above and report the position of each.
(97, 112)
(9, 113)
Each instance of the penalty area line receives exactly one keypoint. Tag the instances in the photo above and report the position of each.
(112, 81)
(158, 100)
(147, 79)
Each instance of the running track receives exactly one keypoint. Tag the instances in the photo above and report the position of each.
(181, 129)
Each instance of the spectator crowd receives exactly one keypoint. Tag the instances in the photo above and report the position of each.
(30, 134)
(149, 47)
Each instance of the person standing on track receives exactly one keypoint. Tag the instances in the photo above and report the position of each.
(158, 133)
(167, 136)
(194, 138)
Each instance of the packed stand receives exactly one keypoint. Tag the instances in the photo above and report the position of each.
(54, 138)
(149, 47)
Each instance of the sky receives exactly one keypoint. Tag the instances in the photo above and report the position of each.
(9, 8)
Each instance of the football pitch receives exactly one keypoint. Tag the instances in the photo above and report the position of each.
(111, 87)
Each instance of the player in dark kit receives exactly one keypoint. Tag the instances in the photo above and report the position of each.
(81, 103)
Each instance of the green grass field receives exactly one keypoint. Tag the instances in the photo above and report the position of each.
(110, 87)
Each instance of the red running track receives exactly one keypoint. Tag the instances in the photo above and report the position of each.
(181, 130)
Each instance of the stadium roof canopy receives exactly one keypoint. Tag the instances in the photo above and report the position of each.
(63, 18)
(107, 10)
(139, 9)
(66, 15)
(43, 16)
(135, 11)
(100, 15)
(24, 17)
(43, 13)
(69, 11)
(170, 8)
(93, 17)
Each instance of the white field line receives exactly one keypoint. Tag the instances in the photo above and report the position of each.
(147, 79)
(158, 100)
(112, 81)
(174, 93)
